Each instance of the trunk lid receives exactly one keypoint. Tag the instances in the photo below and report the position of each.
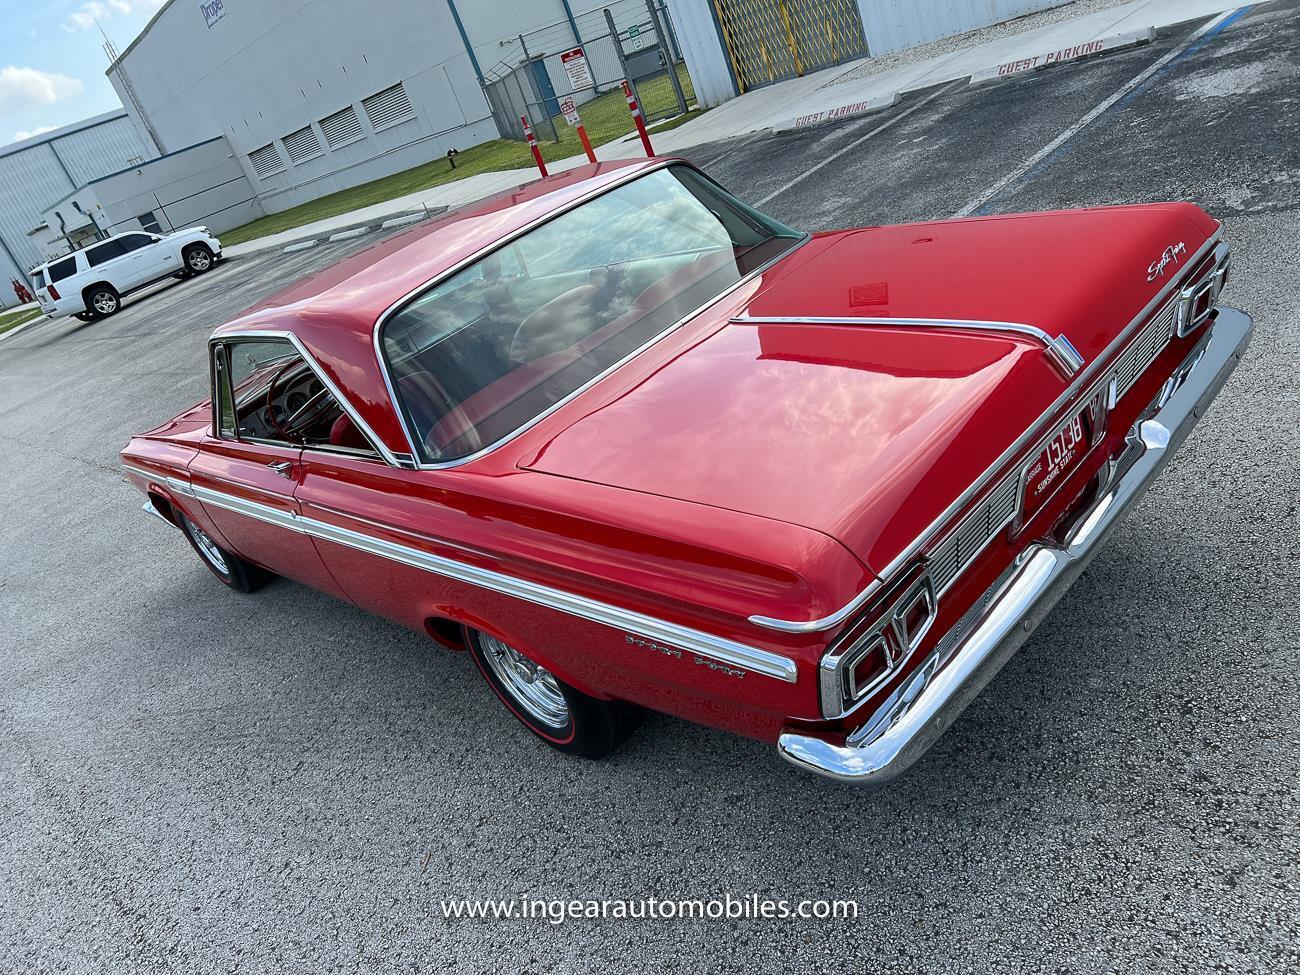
(868, 433)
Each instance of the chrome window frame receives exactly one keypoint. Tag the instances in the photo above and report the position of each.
(1073, 392)
(381, 451)
(397, 306)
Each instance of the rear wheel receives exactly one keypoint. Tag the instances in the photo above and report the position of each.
(197, 258)
(226, 566)
(562, 716)
(102, 300)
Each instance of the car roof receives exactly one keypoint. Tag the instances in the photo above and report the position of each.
(333, 312)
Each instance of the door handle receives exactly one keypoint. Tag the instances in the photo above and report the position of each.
(283, 467)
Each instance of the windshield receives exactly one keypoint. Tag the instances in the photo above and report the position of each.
(495, 345)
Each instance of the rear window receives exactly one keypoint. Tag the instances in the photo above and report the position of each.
(490, 348)
(65, 268)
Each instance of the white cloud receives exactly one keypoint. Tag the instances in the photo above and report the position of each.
(26, 88)
(39, 130)
(84, 17)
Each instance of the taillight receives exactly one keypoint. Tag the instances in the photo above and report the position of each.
(1196, 302)
(53, 291)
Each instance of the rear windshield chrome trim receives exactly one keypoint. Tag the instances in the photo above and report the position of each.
(1088, 376)
(377, 339)
(391, 459)
(1060, 350)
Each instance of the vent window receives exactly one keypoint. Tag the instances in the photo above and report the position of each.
(341, 128)
(302, 145)
(388, 107)
(266, 161)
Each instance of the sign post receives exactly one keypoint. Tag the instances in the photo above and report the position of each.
(573, 118)
(636, 117)
(532, 144)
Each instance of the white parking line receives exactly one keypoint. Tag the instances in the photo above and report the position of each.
(858, 141)
(1091, 117)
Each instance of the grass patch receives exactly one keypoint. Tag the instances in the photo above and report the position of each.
(20, 317)
(605, 117)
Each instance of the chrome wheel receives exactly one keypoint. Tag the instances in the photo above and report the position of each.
(207, 548)
(105, 302)
(198, 260)
(531, 686)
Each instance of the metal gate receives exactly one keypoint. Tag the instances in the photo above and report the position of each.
(772, 40)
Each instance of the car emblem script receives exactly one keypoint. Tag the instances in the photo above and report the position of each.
(1170, 256)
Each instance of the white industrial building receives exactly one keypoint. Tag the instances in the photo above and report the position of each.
(238, 108)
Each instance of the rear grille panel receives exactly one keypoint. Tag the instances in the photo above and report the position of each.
(973, 534)
(1144, 350)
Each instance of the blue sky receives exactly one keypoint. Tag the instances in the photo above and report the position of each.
(52, 60)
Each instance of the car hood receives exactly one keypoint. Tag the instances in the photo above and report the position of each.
(868, 434)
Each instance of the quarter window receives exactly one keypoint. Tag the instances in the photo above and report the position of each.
(65, 268)
(266, 392)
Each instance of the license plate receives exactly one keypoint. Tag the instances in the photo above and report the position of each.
(1063, 453)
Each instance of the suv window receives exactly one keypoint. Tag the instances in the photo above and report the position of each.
(133, 242)
(267, 393)
(106, 251)
(38, 279)
(65, 268)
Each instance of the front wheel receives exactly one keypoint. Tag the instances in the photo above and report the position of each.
(561, 715)
(226, 566)
(198, 259)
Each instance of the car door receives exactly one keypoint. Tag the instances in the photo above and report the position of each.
(151, 256)
(109, 261)
(246, 480)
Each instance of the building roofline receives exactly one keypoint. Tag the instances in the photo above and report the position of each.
(61, 131)
(140, 36)
(148, 162)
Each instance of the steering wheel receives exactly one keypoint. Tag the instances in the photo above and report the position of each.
(295, 425)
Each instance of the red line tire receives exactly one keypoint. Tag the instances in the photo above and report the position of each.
(558, 713)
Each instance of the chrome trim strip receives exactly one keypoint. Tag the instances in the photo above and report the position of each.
(982, 482)
(377, 342)
(161, 480)
(915, 715)
(707, 645)
(1060, 350)
(380, 447)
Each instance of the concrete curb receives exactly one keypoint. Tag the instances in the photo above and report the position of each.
(1085, 49)
(839, 111)
(349, 233)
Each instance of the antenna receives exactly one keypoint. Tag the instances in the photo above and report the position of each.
(109, 49)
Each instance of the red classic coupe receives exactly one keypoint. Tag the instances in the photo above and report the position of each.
(631, 443)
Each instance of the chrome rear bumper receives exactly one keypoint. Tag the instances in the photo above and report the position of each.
(914, 717)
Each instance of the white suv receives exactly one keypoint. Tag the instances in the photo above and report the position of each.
(90, 283)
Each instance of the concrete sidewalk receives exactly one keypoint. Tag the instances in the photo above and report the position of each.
(840, 92)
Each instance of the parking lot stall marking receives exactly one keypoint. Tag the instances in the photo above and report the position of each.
(857, 142)
(1194, 43)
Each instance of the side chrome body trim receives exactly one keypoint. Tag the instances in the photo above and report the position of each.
(716, 648)
(1090, 374)
(1060, 350)
(916, 714)
(391, 459)
(377, 339)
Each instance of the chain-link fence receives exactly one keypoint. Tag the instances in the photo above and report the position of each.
(587, 59)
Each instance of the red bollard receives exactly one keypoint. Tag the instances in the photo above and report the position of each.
(532, 144)
(640, 122)
(586, 143)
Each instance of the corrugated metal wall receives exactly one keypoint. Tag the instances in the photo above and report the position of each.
(34, 176)
(893, 25)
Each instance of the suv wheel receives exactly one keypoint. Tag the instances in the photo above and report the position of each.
(197, 259)
(102, 301)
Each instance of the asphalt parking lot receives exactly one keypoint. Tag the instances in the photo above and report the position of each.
(193, 780)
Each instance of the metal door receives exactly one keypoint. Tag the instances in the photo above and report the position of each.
(544, 87)
(772, 40)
